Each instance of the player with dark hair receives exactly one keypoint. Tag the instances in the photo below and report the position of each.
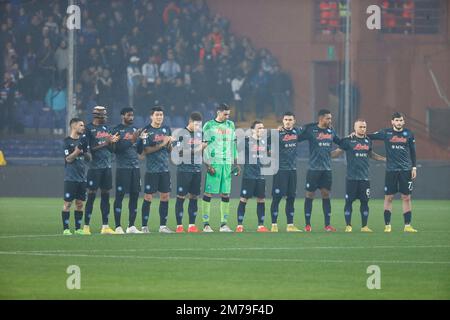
(401, 169)
(99, 174)
(253, 183)
(128, 175)
(75, 157)
(320, 136)
(219, 156)
(157, 147)
(189, 173)
(285, 180)
(358, 150)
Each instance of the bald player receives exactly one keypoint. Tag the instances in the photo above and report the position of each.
(358, 150)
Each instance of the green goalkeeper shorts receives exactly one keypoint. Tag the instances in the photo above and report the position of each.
(220, 182)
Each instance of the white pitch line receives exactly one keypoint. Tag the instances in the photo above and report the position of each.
(12, 236)
(31, 236)
(225, 259)
(234, 249)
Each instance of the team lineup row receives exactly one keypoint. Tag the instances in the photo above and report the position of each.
(92, 147)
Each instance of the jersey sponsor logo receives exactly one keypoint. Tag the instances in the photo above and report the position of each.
(223, 131)
(360, 146)
(289, 137)
(257, 148)
(159, 138)
(194, 141)
(324, 136)
(101, 135)
(396, 139)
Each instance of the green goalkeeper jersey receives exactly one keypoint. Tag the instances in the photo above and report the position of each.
(221, 139)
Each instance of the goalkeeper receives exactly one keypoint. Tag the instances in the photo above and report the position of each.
(219, 157)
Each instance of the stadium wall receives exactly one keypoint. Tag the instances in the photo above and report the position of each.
(47, 181)
(390, 70)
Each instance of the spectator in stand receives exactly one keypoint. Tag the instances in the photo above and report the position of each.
(388, 15)
(55, 100)
(280, 87)
(46, 63)
(170, 69)
(408, 15)
(62, 62)
(81, 99)
(236, 86)
(104, 88)
(200, 51)
(150, 70)
(133, 78)
(7, 97)
(171, 11)
(260, 84)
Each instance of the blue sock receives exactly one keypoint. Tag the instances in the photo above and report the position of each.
(326, 206)
(290, 210)
(145, 212)
(364, 209)
(348, 212)
(308, 210)
(407, 217)
(163, 212)
(179, 210)
(65, 215)
(387, 217)
(118, 208)
(260, 208)
(274, 208)
(105, 207)
(89, 208)
(192, 210)
(78, 219)
(132, 208)
(241, 212)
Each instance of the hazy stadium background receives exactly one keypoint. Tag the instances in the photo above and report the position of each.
(402, 67)
(405, 67)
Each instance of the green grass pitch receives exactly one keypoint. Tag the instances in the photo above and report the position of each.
(34, 256)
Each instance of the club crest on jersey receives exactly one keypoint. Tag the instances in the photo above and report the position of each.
(164, 130)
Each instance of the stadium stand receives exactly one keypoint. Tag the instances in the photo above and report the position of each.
(187, 61)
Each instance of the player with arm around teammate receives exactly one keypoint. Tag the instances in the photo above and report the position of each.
(320, 136)
(358, 150)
